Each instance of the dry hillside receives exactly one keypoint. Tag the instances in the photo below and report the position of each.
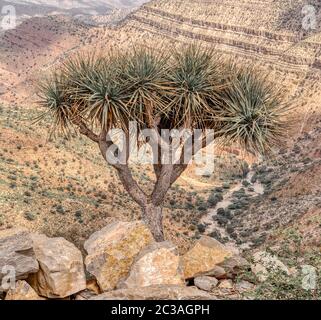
(63, 187)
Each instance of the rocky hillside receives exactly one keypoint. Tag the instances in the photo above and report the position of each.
(27, 50)
(62, 188)
(239, 30)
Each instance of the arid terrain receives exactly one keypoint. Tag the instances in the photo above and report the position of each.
(63, 188)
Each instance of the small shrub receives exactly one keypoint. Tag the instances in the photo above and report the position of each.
(30, 216)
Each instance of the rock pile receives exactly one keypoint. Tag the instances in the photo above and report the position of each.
(124, 262)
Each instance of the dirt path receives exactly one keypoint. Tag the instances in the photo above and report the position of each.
(228, 200)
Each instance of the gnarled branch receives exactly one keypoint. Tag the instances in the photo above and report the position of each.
(84, 130)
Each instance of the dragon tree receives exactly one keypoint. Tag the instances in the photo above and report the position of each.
(186, 88)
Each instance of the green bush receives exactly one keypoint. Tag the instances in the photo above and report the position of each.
(214, 199)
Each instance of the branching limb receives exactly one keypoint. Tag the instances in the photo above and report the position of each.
(167, 174)
(84, 130)
(123, 171)
(131, 185)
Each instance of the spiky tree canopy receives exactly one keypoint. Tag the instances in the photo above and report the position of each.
(190, 88)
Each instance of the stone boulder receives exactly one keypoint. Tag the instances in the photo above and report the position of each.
(158, 263)
(158, 292)
(204, 257)
(61, 269)
(206, 283)
(16, 251)
(112, 250)
(22, 291)
(265, 264)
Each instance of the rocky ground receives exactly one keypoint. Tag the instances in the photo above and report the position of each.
(123, 262)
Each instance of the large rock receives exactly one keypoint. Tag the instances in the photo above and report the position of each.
(16, 251)
(204, 257)
(61, 270)
(22, 291)
(265, 264)
(112, 250)
(158, 292)
(206, 283)
(158, 263)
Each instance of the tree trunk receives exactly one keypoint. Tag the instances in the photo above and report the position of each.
(153, 217)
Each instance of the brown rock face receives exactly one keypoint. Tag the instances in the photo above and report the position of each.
(61, 272)
(158, 263)
(112, 250)
(204, 257)
(159, 292)
(16, 251)
(22, 291)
